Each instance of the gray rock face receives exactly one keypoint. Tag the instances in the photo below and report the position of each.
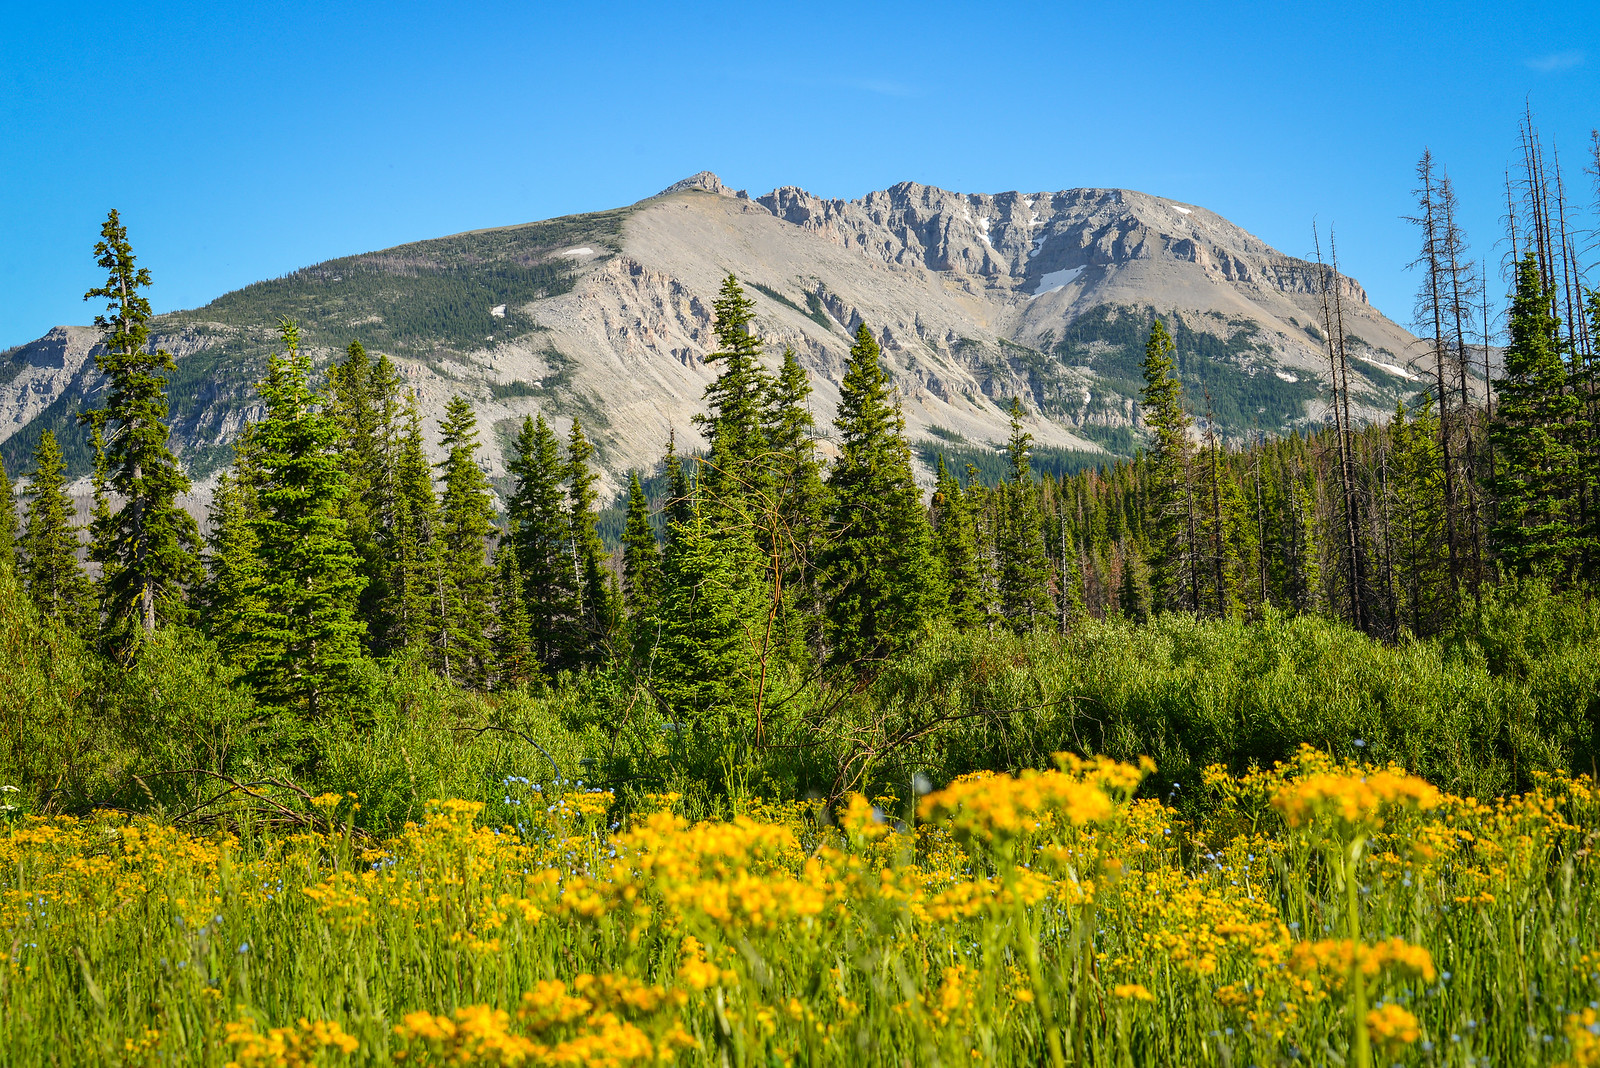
(607, 318)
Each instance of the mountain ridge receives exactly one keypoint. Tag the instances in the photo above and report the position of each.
(606, 317)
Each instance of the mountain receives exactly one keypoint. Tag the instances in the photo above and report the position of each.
(607, 317)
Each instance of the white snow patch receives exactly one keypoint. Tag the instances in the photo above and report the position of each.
(1038, 245)
(1391, 368)
(1181, 211)
(1028, 201)
(1057, 280)
(1286, 376)
(585, 251)
(498, 311)
(983, 230)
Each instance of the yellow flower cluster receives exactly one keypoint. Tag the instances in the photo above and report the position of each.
(285, 1047)
(1015, 910)
(1392, 1028)
(1357, 801)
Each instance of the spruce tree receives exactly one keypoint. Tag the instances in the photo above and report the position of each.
(794, 521)
(515, 665)
(641, 557)
(876, 567)
(1171, 504)
(8, 521)
(1023, 569)
(1422, 561)
(539, 533)
(462, 644)
(304, 618)
(229, 599)
(595, 620)
(1133, 592)
(414, 554)
(366, 403)
(150, 543)
(50, 569)
(734, 401)
(955, 552)
(1536, 435)
(704, 660)
(679, 508)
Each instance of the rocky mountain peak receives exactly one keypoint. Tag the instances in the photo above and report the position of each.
(704, 181)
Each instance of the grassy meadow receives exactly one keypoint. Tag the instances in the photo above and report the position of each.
(1298, 846)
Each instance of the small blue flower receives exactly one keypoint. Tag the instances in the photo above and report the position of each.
(244, 947)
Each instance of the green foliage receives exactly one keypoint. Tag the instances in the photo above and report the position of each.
(50, 544)
(641, 556)
(1173, 578)
(303, 618)
(539, 531)
(876, 566)
(595, 616)
(8, 521)
(462, 644)
(148, 545)
(1538, 435)
(1224, 356)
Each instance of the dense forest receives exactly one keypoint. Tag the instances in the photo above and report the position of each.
(357, 616)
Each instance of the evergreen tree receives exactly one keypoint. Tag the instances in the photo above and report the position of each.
(466, 583)
(735, 401)
(641, 558)
(595, 620)
(540, 534)
(876, 565)
(1023, 569)
(50, 569)
(957, 555)
(1419, 520)
(679, 507)
(150, 542)
(794, 521)
(1171, 498)
(230, 597)
(414, 555)
(8, 521)
(515, 664)
(304, 618)
(1133, 592)
(366, 404)
(1536, 435)
(705, 663)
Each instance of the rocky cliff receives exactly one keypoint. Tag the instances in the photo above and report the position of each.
(607, 318)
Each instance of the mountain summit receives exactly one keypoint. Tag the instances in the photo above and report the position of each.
(606, 317)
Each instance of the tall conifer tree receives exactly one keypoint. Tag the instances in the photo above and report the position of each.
(595, 619)
(734, 401)
(876, 566)
(8, 521)
(956, 553)
(515, 664)
(1023, 569)
(1171, 502)
(414, 553)
(230, 596)
(150, 543)
(641, 557)
(54, 578)
(1536, 434)
(304, 618)
(467, 583)
(540, 533)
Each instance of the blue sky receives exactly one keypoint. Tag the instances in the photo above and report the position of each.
(240, 144)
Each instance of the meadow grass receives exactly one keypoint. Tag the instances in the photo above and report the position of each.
(1320, 912)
